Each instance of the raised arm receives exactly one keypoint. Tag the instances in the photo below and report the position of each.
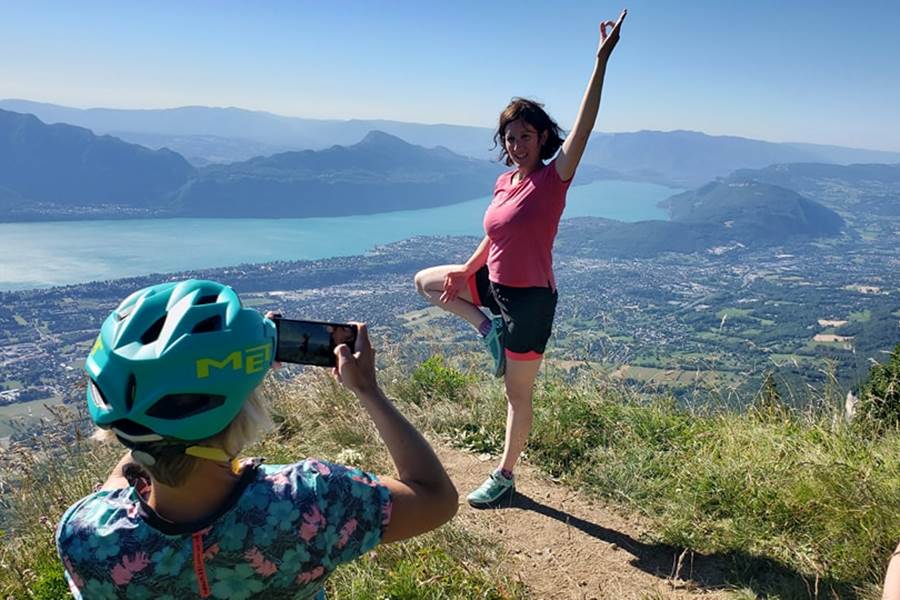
(573, 146)
(423, 495)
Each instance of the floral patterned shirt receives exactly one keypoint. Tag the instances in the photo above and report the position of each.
(281, 532)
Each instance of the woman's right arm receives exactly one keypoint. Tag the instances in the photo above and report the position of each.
(479, 257)
(455, 281)
(423, 496)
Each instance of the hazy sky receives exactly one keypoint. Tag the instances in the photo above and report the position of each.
(811, 71)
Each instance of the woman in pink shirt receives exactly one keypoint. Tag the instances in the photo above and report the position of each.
(511, 271)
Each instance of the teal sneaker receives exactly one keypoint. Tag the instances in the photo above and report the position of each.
(495, 489)
(494, 341)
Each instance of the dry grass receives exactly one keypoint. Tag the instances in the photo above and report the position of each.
(315, 417)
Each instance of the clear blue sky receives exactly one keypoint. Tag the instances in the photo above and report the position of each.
(802, 70)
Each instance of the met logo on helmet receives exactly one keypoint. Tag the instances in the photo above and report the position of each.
(250, 360)
(98, 345)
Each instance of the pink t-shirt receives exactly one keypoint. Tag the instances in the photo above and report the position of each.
(521, 223)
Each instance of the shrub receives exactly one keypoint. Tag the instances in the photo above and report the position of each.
(435, 379)
(880, 395)
(50, 583)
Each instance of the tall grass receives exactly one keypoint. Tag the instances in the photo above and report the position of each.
(769, 487)
(315, 417)
(39, 481)
(792, 501)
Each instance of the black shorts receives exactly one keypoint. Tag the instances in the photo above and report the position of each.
(527, 314)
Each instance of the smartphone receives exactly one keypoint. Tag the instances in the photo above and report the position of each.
(311, 342)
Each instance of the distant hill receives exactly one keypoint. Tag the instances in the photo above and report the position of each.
(859, 190)
(809, 175)
(52, 172)
(712, 218)
(204, 134)
(379, 174)
(191, 129)
(690, 158)
(753, 212)
(61, 168)
(203, 150)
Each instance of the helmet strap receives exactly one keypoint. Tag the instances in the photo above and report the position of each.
(215, 454)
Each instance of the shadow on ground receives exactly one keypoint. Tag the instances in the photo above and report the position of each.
(763, 576)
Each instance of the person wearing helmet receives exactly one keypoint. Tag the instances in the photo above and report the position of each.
(174, 376)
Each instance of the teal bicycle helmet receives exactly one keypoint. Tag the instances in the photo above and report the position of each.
(177, 360)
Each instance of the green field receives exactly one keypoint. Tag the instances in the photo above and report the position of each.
(862, 316)
(31, 410)
(780, 359)
(733, 312)
(677, 377)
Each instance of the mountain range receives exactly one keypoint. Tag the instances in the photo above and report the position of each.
(61, 168)
(206, 134)
(381, 173)
(51, 172)
(63, 171)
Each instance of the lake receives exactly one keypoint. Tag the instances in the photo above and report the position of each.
(47, 254)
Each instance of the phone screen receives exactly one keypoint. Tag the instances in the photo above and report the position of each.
(311, 342)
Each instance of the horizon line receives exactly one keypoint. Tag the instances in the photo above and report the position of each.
(436, 124)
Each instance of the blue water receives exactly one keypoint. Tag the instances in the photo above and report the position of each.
(46, 254)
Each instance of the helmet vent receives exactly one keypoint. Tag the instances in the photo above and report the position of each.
(130, 392)
(124, 313)
(97, 396)
(130, 428)
(180, 406)
(209, 299)
(152, 333)
(208, 325)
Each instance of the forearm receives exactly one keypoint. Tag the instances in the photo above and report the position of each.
(479, 257)
(417, 464)
(574, 145)
(587, 112)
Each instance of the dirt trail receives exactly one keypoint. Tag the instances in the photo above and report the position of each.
(564, 545)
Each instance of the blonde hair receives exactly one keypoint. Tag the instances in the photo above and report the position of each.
(174, 468)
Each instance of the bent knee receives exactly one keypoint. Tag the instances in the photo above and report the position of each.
(426, 284)
(420, 280)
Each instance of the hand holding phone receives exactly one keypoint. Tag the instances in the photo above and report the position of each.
(355, 368)
(311, 342)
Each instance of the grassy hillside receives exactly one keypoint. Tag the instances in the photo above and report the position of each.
(787, 502)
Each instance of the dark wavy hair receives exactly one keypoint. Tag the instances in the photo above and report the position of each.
(534, 114)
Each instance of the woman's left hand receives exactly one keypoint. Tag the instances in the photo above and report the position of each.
(609, 40)
(454, 283)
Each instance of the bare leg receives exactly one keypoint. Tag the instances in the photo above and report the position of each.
(519, 379)
(430, 284)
